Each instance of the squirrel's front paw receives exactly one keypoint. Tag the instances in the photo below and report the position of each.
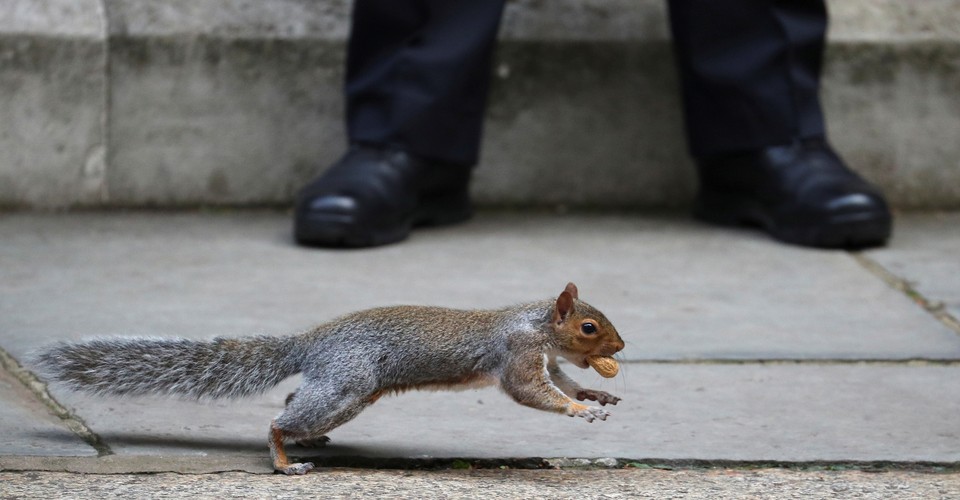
(297, 469)
(587, 413)
(601, 397)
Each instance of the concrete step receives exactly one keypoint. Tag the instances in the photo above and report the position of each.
(238, 102)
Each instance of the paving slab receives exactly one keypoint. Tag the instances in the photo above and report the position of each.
(925, 251)
(855, 386)
(27, 427)
(675, 289)
(791, 412)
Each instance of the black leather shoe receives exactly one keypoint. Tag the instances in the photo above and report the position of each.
(801, 194)
(376, 195)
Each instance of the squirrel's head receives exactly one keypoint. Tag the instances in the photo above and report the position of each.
(580, 330)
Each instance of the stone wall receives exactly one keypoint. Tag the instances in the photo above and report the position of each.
(115, 103)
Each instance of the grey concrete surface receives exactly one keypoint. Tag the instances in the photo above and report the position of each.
(676, 289)
(523, 19)
(785, 413)
(924, 252)
(891, 19)
(239, 19)
(65, 18)
(53, 91)
(27, 427)
(864, 372)
(237, 102)
(653, 484)
(247, 128)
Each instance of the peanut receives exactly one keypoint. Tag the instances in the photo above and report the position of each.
(604, 365)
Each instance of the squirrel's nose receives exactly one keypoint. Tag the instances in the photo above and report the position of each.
(611, 349)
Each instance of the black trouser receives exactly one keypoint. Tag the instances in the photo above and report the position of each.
(418, 72)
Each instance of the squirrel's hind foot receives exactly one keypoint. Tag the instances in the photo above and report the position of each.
(297, 469)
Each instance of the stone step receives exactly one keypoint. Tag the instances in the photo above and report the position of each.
(112, 103)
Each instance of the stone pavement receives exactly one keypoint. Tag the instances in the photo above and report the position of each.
(740, 351)
(482, 484)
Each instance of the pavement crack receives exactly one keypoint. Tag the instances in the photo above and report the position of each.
(189, 466)
(933, 307)
(39, 390)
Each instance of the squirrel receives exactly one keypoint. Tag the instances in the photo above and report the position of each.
(350, 362)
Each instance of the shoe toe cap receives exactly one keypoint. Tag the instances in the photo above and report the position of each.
(853, 201)
(334, 204)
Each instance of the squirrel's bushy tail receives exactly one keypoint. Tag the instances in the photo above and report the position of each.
(220, 368)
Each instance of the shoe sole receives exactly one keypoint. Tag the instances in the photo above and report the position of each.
(329, 231)
(853, 230)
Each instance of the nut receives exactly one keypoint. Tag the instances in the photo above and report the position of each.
(604, 365)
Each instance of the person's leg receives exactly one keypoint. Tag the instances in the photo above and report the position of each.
(750, 75)
(418, 73)
(750, 72)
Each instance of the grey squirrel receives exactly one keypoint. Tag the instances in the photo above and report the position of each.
(349, 363)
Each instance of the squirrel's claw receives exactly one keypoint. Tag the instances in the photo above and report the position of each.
(604, 398)
(297, 469)
(589, 413)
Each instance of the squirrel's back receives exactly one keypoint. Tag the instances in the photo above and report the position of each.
(418, 346)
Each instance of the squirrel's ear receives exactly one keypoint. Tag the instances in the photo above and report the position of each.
(564, 307)
(572, 289)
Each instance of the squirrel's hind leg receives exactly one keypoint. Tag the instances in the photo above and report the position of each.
(280, 461)
(312, 412)
(318, 442)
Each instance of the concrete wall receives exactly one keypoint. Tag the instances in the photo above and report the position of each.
(238, 102)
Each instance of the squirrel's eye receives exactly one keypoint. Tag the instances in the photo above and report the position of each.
(588, 328)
